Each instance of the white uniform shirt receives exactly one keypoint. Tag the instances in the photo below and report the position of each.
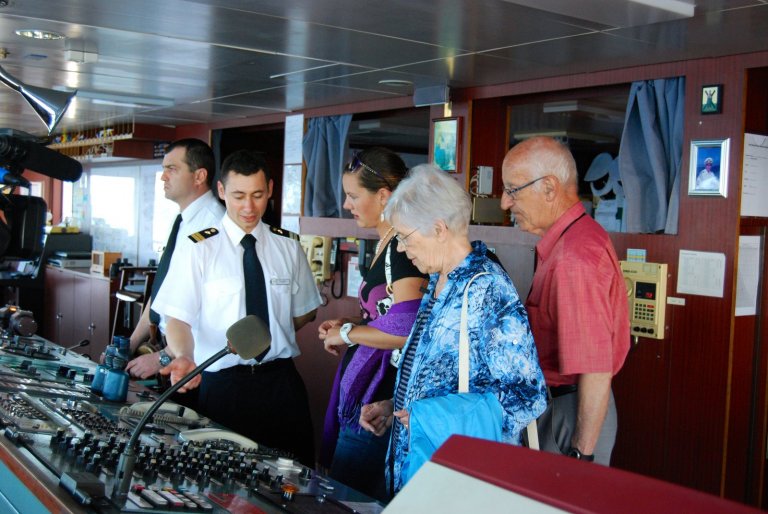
(206, 211)
(209, 290)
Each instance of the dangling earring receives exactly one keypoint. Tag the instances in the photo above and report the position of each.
(381, 216)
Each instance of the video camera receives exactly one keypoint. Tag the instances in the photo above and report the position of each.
(23, 217)
(15, 321)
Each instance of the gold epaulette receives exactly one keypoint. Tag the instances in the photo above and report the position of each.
(285, 233)
(203, 234)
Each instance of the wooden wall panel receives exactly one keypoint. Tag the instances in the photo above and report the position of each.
(489, 137)
(748, 413)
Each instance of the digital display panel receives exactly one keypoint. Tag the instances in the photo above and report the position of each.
(645, 290)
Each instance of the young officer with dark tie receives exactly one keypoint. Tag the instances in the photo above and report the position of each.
(263, 398)
(188, 170)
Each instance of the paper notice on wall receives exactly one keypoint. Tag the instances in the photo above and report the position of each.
(701, 273)
(354, 279)
(754, 177)
(748, 275)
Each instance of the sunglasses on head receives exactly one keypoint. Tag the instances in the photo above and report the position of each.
(356, 164)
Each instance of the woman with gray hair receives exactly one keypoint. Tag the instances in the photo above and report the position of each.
(430, 214)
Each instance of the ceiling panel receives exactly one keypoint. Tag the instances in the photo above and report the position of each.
(578, 54)
(220, 59)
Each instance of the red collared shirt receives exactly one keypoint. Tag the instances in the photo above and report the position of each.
(577, 306)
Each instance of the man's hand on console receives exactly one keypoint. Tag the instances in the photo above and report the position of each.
(144, 366)
(178, 369)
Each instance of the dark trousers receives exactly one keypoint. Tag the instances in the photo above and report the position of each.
(266, 403)
(359, 462)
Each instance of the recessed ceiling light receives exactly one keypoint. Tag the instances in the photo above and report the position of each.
(39, 34)
(396, 82)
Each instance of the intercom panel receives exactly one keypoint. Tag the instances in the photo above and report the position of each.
(647, 295)
(318, 250)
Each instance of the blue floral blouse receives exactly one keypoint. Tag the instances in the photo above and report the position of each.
(503, 358)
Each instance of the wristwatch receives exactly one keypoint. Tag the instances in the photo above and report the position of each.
(344, 333)
(165, 359)
(576, 454)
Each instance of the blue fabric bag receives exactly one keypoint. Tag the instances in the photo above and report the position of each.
(433, 420)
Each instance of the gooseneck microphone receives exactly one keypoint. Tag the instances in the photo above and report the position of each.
(247, 338)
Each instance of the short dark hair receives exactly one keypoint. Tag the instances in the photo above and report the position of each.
(388, 165)
(244, 162)
(198, 155)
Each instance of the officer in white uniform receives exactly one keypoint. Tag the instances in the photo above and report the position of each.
(265, 401)
(188, 170)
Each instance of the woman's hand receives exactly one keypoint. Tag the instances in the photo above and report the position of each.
(328, 324)
(404, 417)
(377, 417)
(332, 341)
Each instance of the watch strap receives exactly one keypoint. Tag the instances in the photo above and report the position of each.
(344, 333)
(576, 454)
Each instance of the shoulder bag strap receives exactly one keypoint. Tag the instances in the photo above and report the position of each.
(464, 340)
(388, 269)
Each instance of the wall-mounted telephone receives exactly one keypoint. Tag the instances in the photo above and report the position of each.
(319, 252)
(216, 434)
(366, 251)
(647, 294)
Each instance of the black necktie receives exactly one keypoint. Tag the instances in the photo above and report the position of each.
(162, 268)
(255, 286)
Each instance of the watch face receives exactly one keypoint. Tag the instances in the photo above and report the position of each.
(165, 359)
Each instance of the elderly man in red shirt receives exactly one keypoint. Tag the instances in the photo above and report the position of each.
(577, 306)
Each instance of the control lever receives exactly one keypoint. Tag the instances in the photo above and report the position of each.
(84, 342)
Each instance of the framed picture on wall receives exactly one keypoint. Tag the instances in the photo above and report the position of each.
(446, 143)
(712, 99)
(708, 175)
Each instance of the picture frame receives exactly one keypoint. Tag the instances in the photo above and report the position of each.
(712, 99)
(708, 172)
(446, 143)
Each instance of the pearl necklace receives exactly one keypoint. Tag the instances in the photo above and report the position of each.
(386, 235)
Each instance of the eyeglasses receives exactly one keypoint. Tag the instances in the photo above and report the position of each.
(356, 164)
(512, 191)
(401, 239)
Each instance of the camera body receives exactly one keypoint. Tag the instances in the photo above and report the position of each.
(15, 321)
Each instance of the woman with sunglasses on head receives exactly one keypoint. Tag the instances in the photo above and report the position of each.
(389, 295)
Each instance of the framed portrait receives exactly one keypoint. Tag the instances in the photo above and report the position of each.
(712, 99)
(446, 143)
(708, 175)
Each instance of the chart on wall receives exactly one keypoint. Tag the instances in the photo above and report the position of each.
(754, 181)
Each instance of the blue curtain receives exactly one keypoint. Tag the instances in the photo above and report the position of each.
(651, 153)
(324, 148)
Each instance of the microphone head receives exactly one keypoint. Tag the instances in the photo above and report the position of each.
(249, 337)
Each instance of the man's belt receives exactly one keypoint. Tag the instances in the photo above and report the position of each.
(254, 369)
(562, 390)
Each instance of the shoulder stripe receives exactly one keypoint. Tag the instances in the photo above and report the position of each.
(203, 234)
(285, 233)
